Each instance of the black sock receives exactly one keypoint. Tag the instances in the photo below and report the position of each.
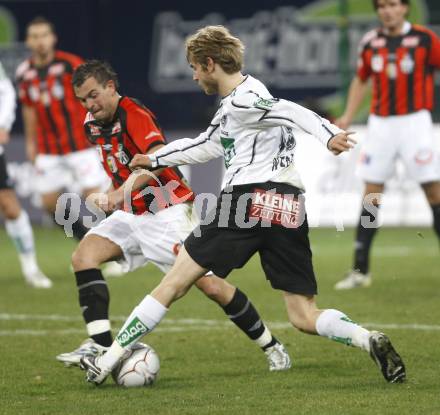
(243, 314)
(436, 214)
(78, 229)
(104, 339)
(366, 229)
(94, 299)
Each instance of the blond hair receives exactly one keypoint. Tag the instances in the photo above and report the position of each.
(217, 43)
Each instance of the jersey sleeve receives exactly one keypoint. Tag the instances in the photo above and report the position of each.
(23, 92)
(363, 70)
(22, 85)
(201, 149)
(434, 52)
(260, 113)
(7, 101)
(143, 130)
(76, 61)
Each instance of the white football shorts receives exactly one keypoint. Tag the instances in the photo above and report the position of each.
(408, 137)
(82, 169)
(148, 238)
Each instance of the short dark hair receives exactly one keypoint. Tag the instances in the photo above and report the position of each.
(376, 3)
(41, 20)
(100, 70)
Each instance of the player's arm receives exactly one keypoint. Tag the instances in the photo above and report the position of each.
(356, 93)
(434, 50)
(28, 112)
(359, 84)
(203, 148)
(7, 106)
(138, 179)
(258, 113)
(30, 130)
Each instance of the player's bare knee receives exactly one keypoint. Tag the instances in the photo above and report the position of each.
(209, 287)
(9, 205)
(82, 260)
(9, 211)
(303, 321)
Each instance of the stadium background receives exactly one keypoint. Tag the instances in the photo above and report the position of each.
(304, 50)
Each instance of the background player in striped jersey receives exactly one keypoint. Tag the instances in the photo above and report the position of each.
(400, 58)
(17, 221)
(260, 208)
(150, 225)
(53, 121)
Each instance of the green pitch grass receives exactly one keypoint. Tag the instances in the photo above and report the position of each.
(208, 366)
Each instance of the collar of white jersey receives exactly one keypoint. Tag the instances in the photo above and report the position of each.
(405, 29)
(246, 77)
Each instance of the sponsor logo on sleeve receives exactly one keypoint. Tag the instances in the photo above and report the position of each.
(265, 104)
(151, 135)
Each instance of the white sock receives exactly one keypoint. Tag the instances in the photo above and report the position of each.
(265, 338)
(143, 319)
(338, 327)
(20, 231)
(98, 327)
(112, 356)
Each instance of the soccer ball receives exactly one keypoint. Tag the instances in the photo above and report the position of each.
(139, 367)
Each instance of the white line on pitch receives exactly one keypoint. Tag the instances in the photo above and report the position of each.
(175, 325)
(382, 251)
(58, 317)
(32, 332)
(177, 329)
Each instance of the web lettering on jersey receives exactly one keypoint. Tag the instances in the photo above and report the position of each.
(285, 157)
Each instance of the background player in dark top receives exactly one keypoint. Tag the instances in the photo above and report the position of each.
(150, 225)
(400, 58)
(53, 121)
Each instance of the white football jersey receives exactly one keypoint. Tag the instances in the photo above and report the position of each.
(255, 133)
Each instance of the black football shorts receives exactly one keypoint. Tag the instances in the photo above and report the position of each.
(268, 218)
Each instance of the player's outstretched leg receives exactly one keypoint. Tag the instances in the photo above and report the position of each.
(94, 296)
(386, 357)
(336, 326)
(19, 229)
(146, 316)
(243, 314)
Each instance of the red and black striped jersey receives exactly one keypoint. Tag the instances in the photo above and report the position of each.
(134, 130)
(60, 115)
(401, 68)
